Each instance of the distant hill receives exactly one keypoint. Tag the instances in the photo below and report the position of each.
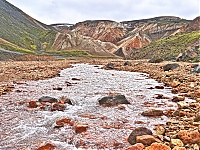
(168, 36)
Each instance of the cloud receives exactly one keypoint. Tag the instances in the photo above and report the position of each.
(72, 11)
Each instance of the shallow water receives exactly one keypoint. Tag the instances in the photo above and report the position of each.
(109, 127)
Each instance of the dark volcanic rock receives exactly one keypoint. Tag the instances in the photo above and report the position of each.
(110, 66)
(113, 100)
(156, 59)
(170, 66)
(138, 132)
(48, 99)
(127, 63)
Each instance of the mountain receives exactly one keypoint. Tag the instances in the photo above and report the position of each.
(136, 39)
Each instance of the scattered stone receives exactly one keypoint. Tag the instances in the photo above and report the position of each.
(81, 128)
(175, 83)
(138, 146)
(196, 69)
(178, 98)
(159, 87)
(68, 83)
(63, 122)
(152, 112)
(197, 118)
(110, 66)
(58, 88)
(176, 142)
(160, 130)
(138, 132)
(147, 139)
(158, 96)
(127, 63)
(58, 107)
(156, 59)
(189, 137)
(48, 99)
(48, 146)
(170, 66)
(183, 105)
(159, 146)
(113, 100)
(66, 100)
(33, 104)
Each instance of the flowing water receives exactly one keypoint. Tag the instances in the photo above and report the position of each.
(109, 127)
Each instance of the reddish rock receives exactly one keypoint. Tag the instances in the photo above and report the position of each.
(159, 146)
(175, 84)
(153, 112)
(33, 104)
(58, 107)
(147, 139)
(64, 121)
(189, 136)
(81, 128)
(197, 93)
(48, 146)
(138, 146)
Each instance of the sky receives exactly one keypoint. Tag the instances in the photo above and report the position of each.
(73, 11)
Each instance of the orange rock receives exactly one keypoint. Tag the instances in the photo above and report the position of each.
(189, 136)
(48, 146)
(138, 146)
(175, 84)
(197, 93)
(81, 128)
(33, 104)
(147, 139)
(65, 121)
(159, 146)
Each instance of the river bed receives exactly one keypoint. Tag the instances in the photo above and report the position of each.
(108, 127)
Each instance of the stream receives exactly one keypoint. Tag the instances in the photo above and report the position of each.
(108, 127)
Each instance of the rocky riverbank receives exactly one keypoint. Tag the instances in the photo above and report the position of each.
(180, 132)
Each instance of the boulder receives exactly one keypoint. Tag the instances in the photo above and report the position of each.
(197, 118)
(138, 132)
(189, 137)
(127, 63)
(58, 107)
(178, 98)
(196, 69)
(171, 66)
(110, 66)
(176, 142)
(48, 99)
(33, 104)
(81, 128)
(113, 100)
(153, 112)
(147, 139)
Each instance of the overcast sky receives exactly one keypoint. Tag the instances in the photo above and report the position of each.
(73, 11)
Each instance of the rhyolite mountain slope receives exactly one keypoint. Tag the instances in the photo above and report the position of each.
(134, 39)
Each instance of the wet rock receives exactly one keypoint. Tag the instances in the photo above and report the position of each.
(138, 146)
(147, 139)
(81, 128)
(179, 148)
(176, 142)
(178, 98)
(33, 104)
(57, 88)
(159, 146)
(48, 99)
(113, 100)
(138, 132)
(48, 146)
(65, 100)
(76, 79)
(58, 107)
(153, 112)
(110, 66)
(170, 66)
(189, 137)
(127, 63)
(156, 59)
